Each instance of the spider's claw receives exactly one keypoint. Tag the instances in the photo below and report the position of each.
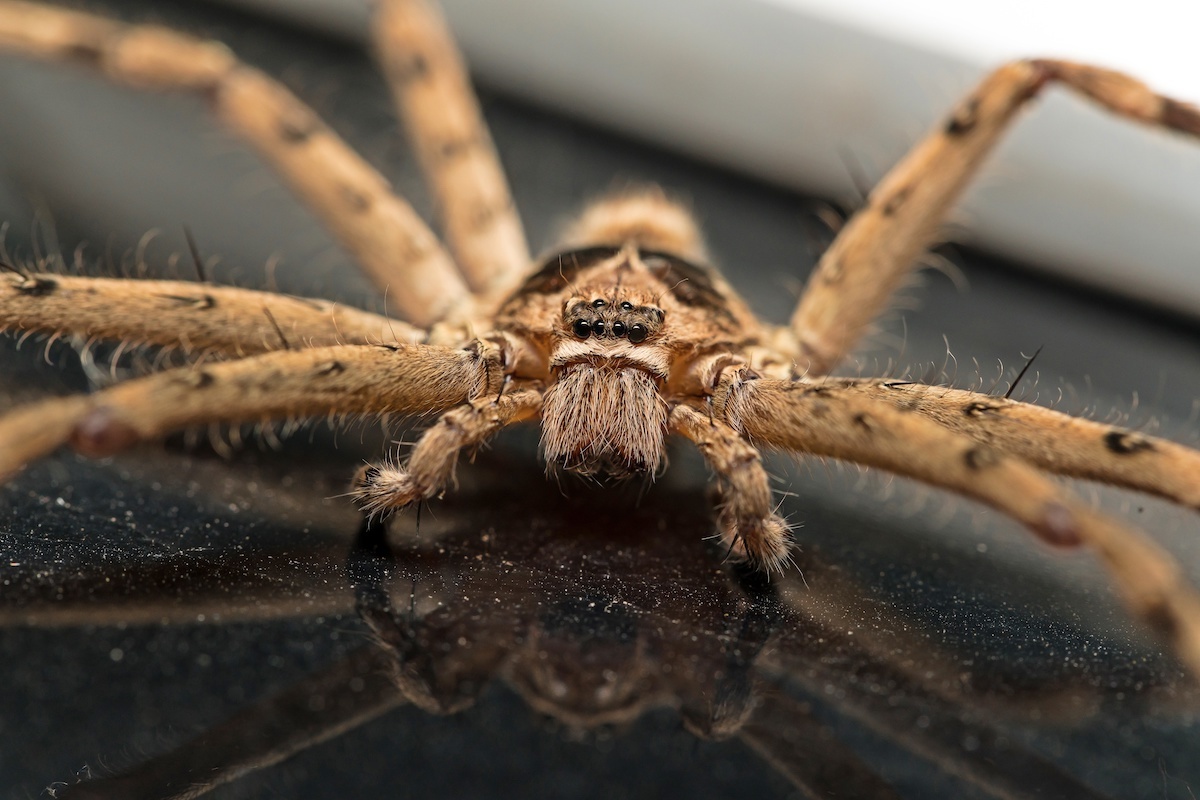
(762, 542)
(378, 491)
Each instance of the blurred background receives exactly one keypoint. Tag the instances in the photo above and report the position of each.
(824, 96)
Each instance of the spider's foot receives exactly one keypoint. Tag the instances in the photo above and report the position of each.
(381, 490)
(763, 542)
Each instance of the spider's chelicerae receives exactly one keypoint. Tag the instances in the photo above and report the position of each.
(622, 336)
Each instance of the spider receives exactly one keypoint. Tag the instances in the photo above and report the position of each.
(624, 334)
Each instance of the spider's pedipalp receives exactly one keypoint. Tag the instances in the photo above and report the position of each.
(382, 231)
(433, 94)
(746, 517)
(430, 467)
(1049, 439)
(809, 418)
(197, 317)
(879, 246)
(360, 379)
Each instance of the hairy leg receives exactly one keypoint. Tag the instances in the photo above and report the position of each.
(380, 229)
(430, 467)
(354, 379)
(433, 94)
(196, 317)
(746, 516)
(879, 246)
(1048, 439)
(807, 418)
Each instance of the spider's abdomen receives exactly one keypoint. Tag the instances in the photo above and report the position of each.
(604, 420)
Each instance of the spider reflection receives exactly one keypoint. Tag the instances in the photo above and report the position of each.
(595, 613)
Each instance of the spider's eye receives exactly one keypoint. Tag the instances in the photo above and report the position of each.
(627, 306)
(598, 303)
(618, 328)
(638, 332)
(581, 328)
(598, 328)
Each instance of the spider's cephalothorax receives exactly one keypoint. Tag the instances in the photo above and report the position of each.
(619, 339)
(634, 313)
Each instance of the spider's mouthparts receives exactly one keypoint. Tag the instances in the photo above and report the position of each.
(604, 420)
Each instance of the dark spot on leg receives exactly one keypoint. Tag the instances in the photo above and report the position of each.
(894, 202)
(1058, 526)
(331, 368)
(452, 149)
(405, 70)
(202, 303)
(358, 202)
(1125, 443)
(964, 119)
(297, 127)
(100, 434)
(483, 215)
(1159, 617)
(37, 286)
(1180, 116)
(864, 422)
(84, 53)
(980, 409)
(978, 458)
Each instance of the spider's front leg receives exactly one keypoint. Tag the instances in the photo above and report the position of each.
(807, 417)
(430, 467)
(349, 380)
(197, 317)
(746, 516)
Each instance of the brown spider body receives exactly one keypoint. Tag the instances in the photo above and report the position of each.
(620, 326)
(620, 339)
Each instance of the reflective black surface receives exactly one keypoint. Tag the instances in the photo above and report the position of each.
(173, 618)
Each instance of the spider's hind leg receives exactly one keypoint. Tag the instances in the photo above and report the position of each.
(379, 228)
(345, 380)
(430, 468)
(441, 114)
(879, 246)
(1049, 439)
(746, 518)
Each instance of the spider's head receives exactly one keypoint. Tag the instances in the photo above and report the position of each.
(604, 415)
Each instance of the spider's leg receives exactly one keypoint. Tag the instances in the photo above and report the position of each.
(880, 244)
(805, 418)
(430, 467)
(441, 114)
(381, 230)
(197, 317)
(354, 379)
(746, 516)
(1048, 439)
